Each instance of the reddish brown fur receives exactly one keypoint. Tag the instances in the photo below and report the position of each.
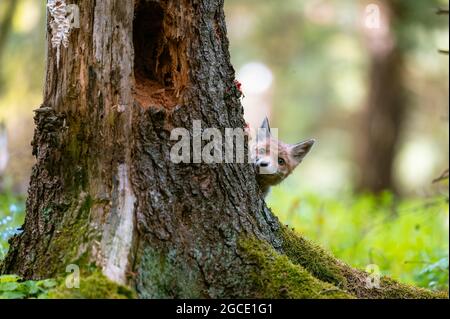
(276, 160)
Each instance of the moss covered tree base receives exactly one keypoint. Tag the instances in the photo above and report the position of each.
(302, 269)
(92, 286)
(299, 270)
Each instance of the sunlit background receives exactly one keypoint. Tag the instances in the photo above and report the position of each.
(363, 78)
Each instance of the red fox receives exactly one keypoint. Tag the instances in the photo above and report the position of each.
(275, 160)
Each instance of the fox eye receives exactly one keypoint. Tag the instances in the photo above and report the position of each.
(281, 161)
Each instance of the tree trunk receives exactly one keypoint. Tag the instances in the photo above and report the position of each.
(6, 23)
(382, 120)
(104, 194)
(5, 30)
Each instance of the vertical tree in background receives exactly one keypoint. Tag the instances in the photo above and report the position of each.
(6, 21)
(388, 105)
(5, 27)
(383, 117)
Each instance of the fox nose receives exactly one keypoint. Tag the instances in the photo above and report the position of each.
(262, 163)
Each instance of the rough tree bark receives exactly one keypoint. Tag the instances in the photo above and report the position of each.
(104, 194)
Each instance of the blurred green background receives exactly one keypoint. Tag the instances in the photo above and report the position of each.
(363, 78)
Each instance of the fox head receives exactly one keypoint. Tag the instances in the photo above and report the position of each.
(275, 160)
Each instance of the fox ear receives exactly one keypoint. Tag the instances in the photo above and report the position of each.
(300, 150)
(265, 124)
(264, 130)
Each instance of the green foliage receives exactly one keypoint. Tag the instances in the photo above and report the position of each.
(435, 275)
(92, 286)
(12, 211)
(406, 239)
(13, 287)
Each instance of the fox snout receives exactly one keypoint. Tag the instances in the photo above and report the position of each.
(264, 166)
(262, 163)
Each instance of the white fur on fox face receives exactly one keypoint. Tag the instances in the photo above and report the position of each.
(265, 166)
(266, 157)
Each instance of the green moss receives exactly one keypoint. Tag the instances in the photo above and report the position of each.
(325, 267)
(162, 275)
(66, 243)
(276, 276)
(312, 257)
(92, 286)
(392, 289)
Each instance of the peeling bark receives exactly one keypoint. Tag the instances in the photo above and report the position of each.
(104, 193)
